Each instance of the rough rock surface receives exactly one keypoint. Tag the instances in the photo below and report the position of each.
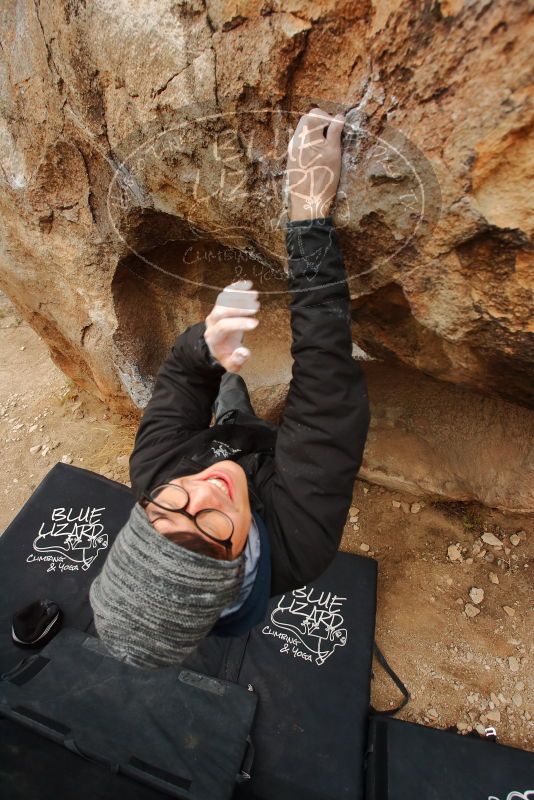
(127, 200)
(433, 438)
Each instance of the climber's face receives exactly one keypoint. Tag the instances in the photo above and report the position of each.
(222, 486)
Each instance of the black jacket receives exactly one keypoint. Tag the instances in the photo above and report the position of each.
(300, 478)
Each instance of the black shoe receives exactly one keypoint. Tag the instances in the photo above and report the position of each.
(233, 396)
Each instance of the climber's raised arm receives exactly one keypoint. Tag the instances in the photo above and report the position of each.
(324, 427)
(188, 381)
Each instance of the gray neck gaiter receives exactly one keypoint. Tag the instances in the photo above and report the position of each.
(153, 600)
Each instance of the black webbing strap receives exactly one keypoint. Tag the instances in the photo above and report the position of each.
(377, 774)
(233, 661)
(25, 670)
(380, 657)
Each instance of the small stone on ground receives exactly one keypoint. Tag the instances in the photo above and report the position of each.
(491, 539)
(470, 610)
(454, 553)
(476, 595)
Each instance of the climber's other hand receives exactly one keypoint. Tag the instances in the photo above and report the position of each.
(230, 318)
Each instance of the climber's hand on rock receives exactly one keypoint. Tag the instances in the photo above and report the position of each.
(230, 318)
(314, 164)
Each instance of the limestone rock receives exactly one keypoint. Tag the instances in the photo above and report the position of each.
(454, 553)
(476, 595)
(491, 539)
(471, 610)
(429, 437)
(142, 171)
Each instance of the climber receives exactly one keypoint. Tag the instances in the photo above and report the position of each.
(230, 514)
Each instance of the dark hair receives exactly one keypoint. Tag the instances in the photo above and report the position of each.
(194, 541)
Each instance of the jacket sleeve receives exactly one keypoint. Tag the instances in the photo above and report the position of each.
(322, 435)
(186, 386)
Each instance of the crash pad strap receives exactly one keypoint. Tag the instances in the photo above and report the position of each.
(380, 657)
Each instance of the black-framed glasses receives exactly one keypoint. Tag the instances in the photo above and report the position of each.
(211, 522)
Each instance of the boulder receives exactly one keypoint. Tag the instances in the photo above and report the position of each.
(436, 439)
(143, 148)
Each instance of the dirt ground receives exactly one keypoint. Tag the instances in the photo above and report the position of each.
(454, 602)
